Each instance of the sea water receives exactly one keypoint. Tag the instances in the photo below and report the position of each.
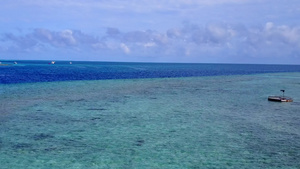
(188, 117)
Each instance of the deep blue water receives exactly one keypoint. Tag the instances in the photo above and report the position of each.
(42, 71)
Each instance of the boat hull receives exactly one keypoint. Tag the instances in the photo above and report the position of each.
(280, 99)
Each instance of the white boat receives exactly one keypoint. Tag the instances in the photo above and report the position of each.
(52, 62)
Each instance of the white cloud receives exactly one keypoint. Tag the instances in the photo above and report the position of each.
(125, 48)
(220, 33)
(282, 34)
(66, 38)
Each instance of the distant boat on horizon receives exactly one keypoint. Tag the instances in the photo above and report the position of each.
(52, 62)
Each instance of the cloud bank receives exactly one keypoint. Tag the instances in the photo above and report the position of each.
(189, 43)
(247, 31)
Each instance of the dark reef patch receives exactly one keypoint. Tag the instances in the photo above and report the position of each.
(22, 146)
(139, 142)
(96, 118)
(42, 136)
(99, 109)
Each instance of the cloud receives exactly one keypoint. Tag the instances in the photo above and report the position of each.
(112, 32)
(15, 42)
(64, 38)
(283, 33)
(125, 48)
(210, 34)
(45, 39)
(191, 40)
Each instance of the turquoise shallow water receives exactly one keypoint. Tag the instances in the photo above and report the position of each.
(199, 122)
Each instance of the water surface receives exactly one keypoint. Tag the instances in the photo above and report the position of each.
(183, 122)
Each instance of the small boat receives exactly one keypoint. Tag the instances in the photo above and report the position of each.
(280, 98)
(52, 62)
(15, 63)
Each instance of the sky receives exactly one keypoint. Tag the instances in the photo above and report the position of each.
(185, 31)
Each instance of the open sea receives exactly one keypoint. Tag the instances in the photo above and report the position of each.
(148, 115)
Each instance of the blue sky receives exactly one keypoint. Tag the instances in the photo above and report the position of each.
(200, 31)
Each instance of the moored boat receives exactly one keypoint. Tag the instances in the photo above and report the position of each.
(280, 99)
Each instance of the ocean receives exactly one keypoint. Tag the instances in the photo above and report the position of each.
(148, 115)
(44, 71)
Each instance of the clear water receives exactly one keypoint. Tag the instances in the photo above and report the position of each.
(183, 122)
